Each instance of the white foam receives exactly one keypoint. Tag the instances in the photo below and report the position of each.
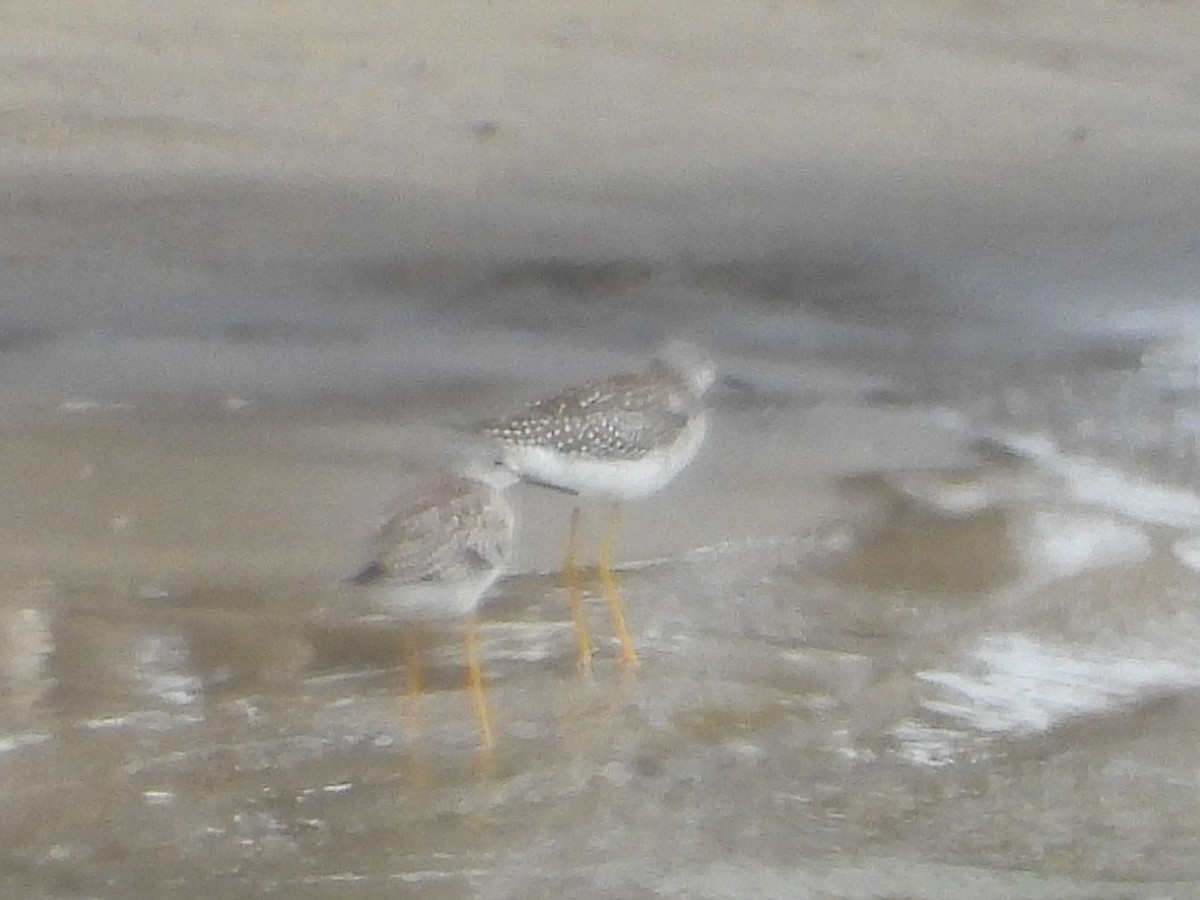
(1092, 483)
(162, 667)
(11, 742)
(1060, 544)
(80, 405)
(925, 745)
(1026, 686)
(1187, 551)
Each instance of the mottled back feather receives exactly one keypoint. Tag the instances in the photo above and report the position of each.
(622, 417)
(448, 532)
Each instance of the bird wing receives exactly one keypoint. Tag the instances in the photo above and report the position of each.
(624, 417)
(425, 540)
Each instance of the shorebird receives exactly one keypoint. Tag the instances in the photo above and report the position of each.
(618, 438)
(436, 558)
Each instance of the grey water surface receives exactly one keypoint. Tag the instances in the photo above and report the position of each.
(920, 620)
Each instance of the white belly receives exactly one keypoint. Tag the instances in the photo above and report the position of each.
(615, 479)
(431, 601)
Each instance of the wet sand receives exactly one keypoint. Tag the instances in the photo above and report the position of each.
(265, 265)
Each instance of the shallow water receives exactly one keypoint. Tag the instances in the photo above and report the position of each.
(897, 662)
(918, 622)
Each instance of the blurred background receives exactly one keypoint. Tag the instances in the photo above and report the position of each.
(921, 615)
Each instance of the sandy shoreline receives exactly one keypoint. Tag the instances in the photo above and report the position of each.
(462, 94)
(243, 495)
(954, 144)
(260, 261)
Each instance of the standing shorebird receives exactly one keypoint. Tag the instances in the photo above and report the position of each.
(618, 438)
(436, 558)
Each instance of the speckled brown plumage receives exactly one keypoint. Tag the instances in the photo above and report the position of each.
(443, 547)
(619, 418)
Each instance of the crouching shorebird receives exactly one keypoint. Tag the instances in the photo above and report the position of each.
(436, 558)
(618, 438)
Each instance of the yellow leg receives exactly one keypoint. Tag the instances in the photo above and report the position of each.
(608, 581)
(414, 674)
(413, 639)
(483, 717)
(571, 581)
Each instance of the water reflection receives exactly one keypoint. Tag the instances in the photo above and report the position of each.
(908, 675)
